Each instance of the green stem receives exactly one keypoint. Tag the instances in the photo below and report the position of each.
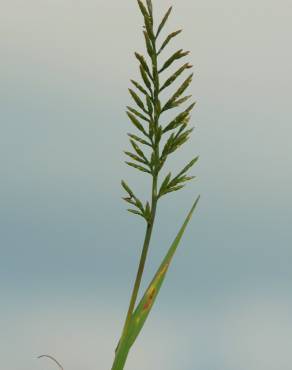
(143, 256)
(123, 347)
(121, 356)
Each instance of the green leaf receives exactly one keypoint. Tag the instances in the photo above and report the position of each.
(136, 123)
(140, 168)
(137, 100)
(177, 55)
(188, 166)
(191, 106)
(150, 7)
(173, 100)
(177, 121)
(147, 19)
(167, 146)
(181, 119)
(134, 211)
(145, 79)
(138, 114)
(180, 101)
(179, 140)
(183, 87)
(168, 39)
(149, 46)
(139, 87)
(143, 9)
(175, 184)
(138, 150)
(149, 28)
(173, 143)
(139, 139)
(146, 303)
(129, 200)
(143, 64)
(134, 201)
(173, 188)
(135, 157)
(173, 77)
(164, 184)
(127, 188)
(177, 103)
(149, 105)
(183, 126)
(139, 204)
(182, 179)
(164, 19)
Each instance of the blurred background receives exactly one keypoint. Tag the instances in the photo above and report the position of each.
(69, 250)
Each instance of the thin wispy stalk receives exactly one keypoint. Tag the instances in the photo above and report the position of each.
(149, 155)
(53, 359)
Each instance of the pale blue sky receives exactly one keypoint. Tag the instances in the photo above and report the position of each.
(69, 250)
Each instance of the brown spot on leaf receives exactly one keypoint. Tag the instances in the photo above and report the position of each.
(150, 296)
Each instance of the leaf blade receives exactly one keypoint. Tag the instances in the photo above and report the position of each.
(139, 87)
(162, 23)
(144, 64)
(139, 139)
(137, 167)
(168, 39)
(136, 123)
(144, 307)
(138, 114)
(175, 75)
(177, 55)
(150, 7)
(173, 101)
(137, 100)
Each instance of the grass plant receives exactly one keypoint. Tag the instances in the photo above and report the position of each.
(149, 155)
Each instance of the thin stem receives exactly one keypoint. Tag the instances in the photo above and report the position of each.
(121, 356)
(53, 359)
(123, 348)
(143, 256)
